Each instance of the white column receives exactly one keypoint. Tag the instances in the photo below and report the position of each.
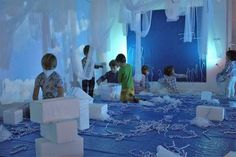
(138, 52)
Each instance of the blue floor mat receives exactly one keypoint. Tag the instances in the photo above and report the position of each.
(137, 130)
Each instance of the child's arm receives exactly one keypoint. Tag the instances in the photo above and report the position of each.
(60, 91)
(96, 66)
(101, 79)
(119, 76)
(180, 75)
(36, 93)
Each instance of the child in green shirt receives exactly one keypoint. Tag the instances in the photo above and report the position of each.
(126, 79)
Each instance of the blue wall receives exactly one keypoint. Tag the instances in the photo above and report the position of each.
(164, 46)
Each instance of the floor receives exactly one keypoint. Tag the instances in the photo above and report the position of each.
(137, 130)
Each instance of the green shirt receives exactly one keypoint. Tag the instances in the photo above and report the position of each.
(125, 77)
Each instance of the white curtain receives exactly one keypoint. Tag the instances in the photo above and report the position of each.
(202, 30)
(139, 22)
(189, 28)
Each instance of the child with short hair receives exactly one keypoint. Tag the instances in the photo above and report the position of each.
(112, 75)
(49, 80)
(143, 85)
(230, 73)
(88, 85)
(126, 79)
(170, 78)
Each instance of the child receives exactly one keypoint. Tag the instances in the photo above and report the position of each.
(88, 85)
(126, 79)
(230, 72)
(49, 80)
(170, 78)
(143, 85)
(112, 75)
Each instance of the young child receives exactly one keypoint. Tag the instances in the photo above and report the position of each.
(230, 72)
(221, 78)
(143, 85)
(126, 80)
(112, 75)
(88, 85)
(49, 80)
(170, 78)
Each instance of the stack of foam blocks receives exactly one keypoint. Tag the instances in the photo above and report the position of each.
(97, 111)
(58, 126)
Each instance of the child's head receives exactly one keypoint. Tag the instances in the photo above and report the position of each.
(113, 66)
(49, 61)
(145, 70)
(120, 59)
(169, 70)
(231, 55)
(86, 50)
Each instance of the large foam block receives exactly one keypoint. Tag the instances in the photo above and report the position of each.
(79, 93)
(52, 110)
(206, 95)
(45, 148)
(110, 91)
(12, 116)
(59, 132)
(231, 154)
(163, 152)
(98, 111)
(83, 120)
(210, 112)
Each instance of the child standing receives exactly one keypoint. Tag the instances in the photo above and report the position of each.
(88, 85)
(170, 78)
(49, 80)
(112, 75)
(143, 85)
(126, 79)
(230, 72)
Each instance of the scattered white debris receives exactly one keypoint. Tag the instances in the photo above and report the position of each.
(201, 122)
(146, 103)
(4, 133)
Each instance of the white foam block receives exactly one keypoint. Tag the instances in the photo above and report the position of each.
(83, 120)
(98, 111)
(231, 154)
(210, 112)
(53, 110)
(163, 152)
(59, 132)
(79, 93)
(12, 116)
(45, 148)
(206, 95)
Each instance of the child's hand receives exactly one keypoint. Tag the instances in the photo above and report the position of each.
(98, 66)
(99, 82)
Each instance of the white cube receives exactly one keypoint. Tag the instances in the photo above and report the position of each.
(206, 95)
(59, 132)
(83, 120)
(110, 91)
(12, 116)
(52, 110)
(231, 154)
(45, 148)
(98, 111)
(211, 112)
